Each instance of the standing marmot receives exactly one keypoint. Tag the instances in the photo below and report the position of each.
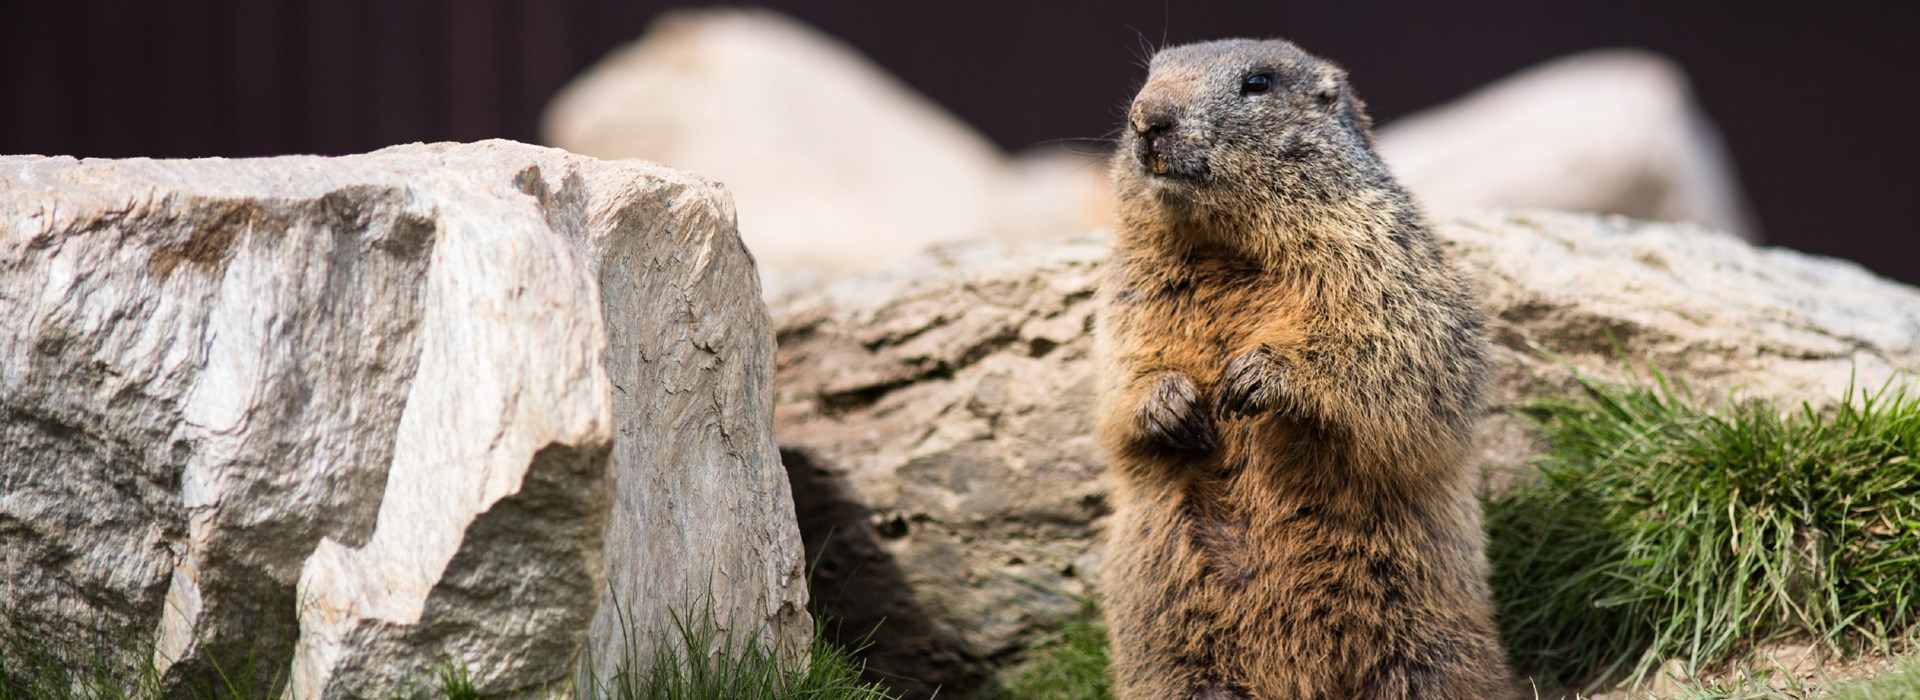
(1291, 374)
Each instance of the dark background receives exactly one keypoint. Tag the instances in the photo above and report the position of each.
(1818, 101)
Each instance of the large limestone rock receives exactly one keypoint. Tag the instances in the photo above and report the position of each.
(837, 164)
(934, 414)
(1612, 131)
(341, 421)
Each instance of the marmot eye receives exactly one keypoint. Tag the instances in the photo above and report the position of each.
(1255, 84)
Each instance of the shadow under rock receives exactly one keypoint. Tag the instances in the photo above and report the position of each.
(863, 599)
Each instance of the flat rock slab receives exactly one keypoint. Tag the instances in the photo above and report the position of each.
(339, 422)
(935, 415)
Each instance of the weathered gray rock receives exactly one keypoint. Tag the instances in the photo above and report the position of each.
(837, 165)
(933, 419)
(1612, 131)
(342, 421)
(934, 414)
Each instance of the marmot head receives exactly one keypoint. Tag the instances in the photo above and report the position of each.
(1220, 123)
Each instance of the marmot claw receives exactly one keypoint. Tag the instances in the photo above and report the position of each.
(1172, 414)
(1252, 384)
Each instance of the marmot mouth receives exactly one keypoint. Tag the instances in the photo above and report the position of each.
(1180, 162)
(1161, 167)
(1169, 160)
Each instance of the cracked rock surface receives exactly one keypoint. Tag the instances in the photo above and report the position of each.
(347, 420)
(934, 415)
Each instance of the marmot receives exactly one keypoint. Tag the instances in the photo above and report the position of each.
(1290, 375)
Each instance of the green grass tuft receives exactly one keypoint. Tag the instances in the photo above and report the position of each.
(1658, 530)
(1764, 684)
(688, 666)
(35, 665)
(456, 683)
(1070, 664)
(1902, 683)
(40, 660)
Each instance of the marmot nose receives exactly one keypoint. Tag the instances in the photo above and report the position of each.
(1150, 118)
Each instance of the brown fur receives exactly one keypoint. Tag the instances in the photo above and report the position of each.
(1291, 372)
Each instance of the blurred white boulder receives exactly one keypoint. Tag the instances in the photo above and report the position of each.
(1613, 131)
(835, 164)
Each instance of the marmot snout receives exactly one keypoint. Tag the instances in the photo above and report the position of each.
(1166, 144)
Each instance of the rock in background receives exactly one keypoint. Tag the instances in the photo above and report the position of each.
(1613, 131)
(342, 421)
(836, 164)
(934, 414)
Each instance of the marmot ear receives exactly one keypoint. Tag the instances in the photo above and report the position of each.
(1330, 88)
(1328, 83)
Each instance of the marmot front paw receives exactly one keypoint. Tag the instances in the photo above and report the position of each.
(1252, 385)
(1172, 415)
